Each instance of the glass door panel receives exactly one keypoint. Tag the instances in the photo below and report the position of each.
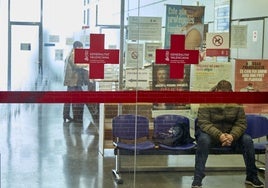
(24, 57)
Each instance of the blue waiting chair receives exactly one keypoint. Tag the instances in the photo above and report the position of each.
(163, 123)
(130, 134)
(131, 127)
(257, 127)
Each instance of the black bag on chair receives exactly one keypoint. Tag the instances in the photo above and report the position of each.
(176, 135)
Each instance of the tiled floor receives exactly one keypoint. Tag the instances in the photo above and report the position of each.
(38, 150)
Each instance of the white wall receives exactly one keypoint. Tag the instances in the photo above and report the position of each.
(64, 19)
(3, 46)
(249, 9)
(254, 14)
(265, 54)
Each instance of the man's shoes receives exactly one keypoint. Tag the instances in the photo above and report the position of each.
(254, 181)
(197, 183)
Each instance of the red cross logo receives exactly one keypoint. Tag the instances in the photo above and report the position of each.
(96, 56)
(177, 56)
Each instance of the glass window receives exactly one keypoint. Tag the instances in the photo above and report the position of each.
(159, 61)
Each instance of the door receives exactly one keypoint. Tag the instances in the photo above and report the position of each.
(24, 44)
(25, 65)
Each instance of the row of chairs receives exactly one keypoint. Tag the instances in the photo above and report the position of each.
(131, 134)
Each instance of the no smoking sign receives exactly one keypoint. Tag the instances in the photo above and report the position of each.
(217, 44)
(217, 40)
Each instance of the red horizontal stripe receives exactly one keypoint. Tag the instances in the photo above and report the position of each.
(133, 97)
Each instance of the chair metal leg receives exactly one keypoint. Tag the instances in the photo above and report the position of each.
(115, 171)
(118, 178)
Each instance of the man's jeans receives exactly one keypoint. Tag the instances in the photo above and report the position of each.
(244, 144)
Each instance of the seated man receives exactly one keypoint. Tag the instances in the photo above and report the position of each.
(223, 125)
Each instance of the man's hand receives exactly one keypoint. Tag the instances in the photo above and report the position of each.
(230, 137)
(223, 138)
(226, 139)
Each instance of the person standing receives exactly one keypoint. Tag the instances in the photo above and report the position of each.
(73, 81)
(223, 125)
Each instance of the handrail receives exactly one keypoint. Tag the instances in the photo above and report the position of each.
(139, 96)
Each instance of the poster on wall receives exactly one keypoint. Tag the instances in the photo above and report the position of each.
(69, 41)
(162, 82)
(134, 56)
(138, 79)
(206, 75)
(239, 36)
(150, 48)
(144, 28)
(251, 76)
(58, 54)
(217, 44)
(187, 20)
(54, 38)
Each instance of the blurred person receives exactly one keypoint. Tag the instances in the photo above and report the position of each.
(73, 81)
(91, 86)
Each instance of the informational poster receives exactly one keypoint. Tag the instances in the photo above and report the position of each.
(162, 82)
(188, 20)
(59, 54)
(150, 51)
(134, 56)
(111, 72)
(207, 74)
(85, 39)
(217, 44)
(25, 46)
(251, 76)
(138, 79)
(69, 41)
(239, 36)
(251, 73)
(54, 38)
(144, 28)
